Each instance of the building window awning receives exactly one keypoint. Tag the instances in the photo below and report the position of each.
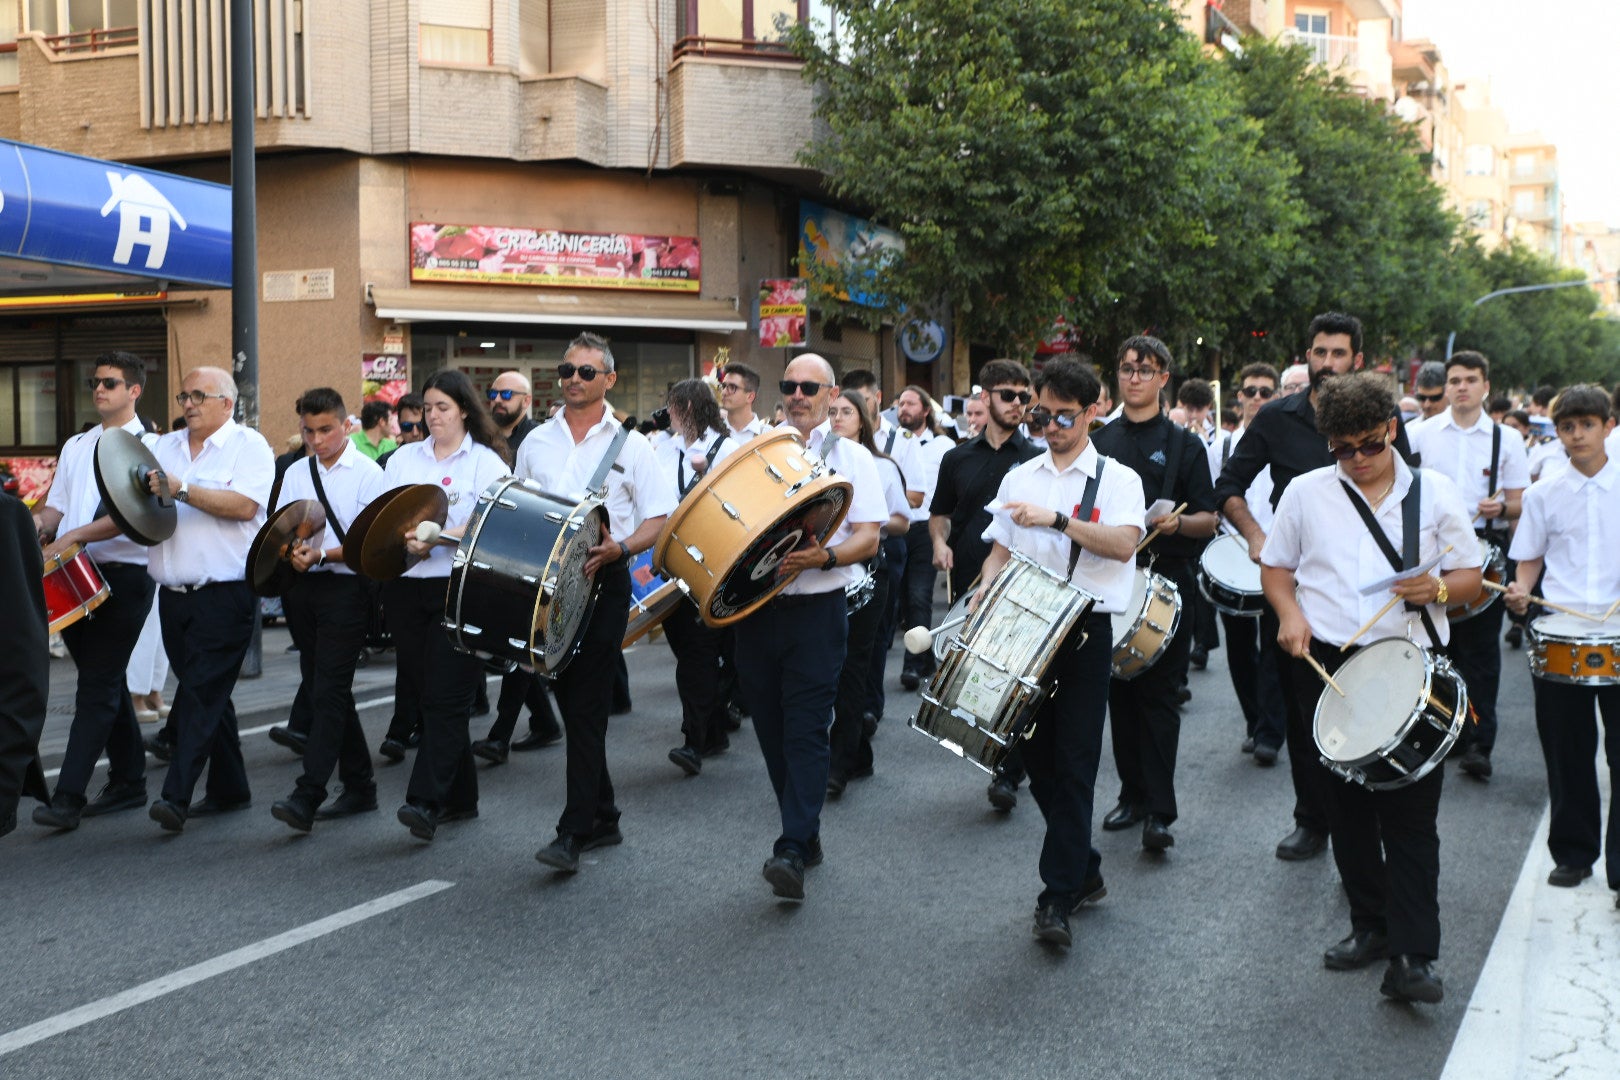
(506, 305)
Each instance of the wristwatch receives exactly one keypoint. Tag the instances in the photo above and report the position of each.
(1060, 523)
(832, 560)
(1444, 594)
(322, 560)
(183, 493)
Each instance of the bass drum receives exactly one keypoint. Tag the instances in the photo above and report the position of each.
(1403, 708)
(518, 590)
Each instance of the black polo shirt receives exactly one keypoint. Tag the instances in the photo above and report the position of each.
(970, 474)
(1146, 449)
(520, 432)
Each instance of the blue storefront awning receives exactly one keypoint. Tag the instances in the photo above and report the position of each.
(75, 224)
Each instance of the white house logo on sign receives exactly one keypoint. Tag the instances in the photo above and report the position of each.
(143, 218)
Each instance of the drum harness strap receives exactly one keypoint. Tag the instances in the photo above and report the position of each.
(1410, 535)
(320, 493)
(888, 447)
(1087, 500)
(598, 484)
(1490, 527)
(680, 467)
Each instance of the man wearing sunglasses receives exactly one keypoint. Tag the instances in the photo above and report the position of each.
(510, 397)
(1284, 437)
(412, 428)
(103, 715)
(1430, 390)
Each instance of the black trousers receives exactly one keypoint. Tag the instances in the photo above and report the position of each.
(851, 745)
(585, 692)
(697, 678)
(1385, 843)
(103, 715)
(519, 688)
(1061, 757)
(439, 680)
(1144, 719)
(891, 569)
(1255, 680)
(326, 615)
(1203, 617)
(1299, 709)
(206, 634)
(1476, 652)
(917, 592)
(1569, 741)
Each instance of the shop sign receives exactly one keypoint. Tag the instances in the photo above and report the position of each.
(384, 377)
(839, 242)
(784, 312)
(509, 255)
(34, 476)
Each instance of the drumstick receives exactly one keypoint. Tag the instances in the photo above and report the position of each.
(1322, 671)
(1494, 587)
(1148, 539)
(1368, 625)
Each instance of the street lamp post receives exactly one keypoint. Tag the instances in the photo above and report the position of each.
(1451, 338)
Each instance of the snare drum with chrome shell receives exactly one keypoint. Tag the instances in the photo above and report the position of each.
(1569, 649)
(1229, 579)
(73, 587)
(1494, 562)
(1403, 708)
(1143, 631)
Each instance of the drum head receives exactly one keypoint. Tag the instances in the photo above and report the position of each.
(1124, 622)
(562, 617)
(1572, 628)
(1383, 686)
(1226, 559)
(753, 577)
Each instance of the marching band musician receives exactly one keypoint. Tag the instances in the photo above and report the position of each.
(1072, 513)
(24, 661)
(327, 608)
(220, 473)
(925, 447)
(562, 454)
(739, 387)
(1196, 399)
(788, 647)
(463, 454)
(103, 715)
(698, 443)
(405, 726)
(1337, 527)
(1172, 464)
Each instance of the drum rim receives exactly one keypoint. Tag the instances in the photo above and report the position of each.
(1206, 571)
(542, 607)
(693, 497)
(1431, 666)
(722, 574)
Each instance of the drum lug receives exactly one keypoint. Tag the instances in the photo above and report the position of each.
(548, 589)
(555, 518)
(529, 579)
(471, 630)
(516, 643)
(695, 552)
(476, 565)
(774, 473)
(731, 511)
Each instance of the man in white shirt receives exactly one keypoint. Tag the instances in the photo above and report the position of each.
(791, 649)
(1488, 464)
(103, 715)
(925, 447)
(1045, 516)
(739, 387)
(1196, 397)
(220, 473)
(1430, 390)
(563, 454)
(326, 606)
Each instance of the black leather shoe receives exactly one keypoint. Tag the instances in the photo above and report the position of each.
(534, 740)
(785, 872)
(815, 856)
(62, 812)
(1183, 695)
(1198, 658)
(603, 834)
(1003, 794)
(295, 811)
(211, 805)
(169, 815)
(422, 821)
(115, 797)
(1092, 891)
(1248, 745)
(1567, 877)
(1052, 926)
(1358, 950)
(909, 680)
(687, 759)
(869, 725)
(1122, 816)
(1265, 755)
(1156, 834)
(159, 747)
(1410, 978)
(562, 853)
(493, 751)
(1302, 844)
(716, 747)
(348, 804)
(836, 785)
(282, 735)
(392, 749)
(1476, 763)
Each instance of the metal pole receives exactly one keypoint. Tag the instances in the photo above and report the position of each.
(244, 250)
(1451, 339)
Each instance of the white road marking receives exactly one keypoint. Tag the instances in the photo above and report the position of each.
(219, 965)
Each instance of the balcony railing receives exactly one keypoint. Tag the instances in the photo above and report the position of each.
(734, 47)
(94, 41)
(1329, 50)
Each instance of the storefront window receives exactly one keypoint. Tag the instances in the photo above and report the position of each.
(36, 394)
(8, 408)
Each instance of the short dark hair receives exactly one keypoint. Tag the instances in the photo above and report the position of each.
(1501, 403)
(373, 413)
(1335, 322)
(1351, 404)
(1543, 395)
(1070, 379)
(132, 366)
(1473, 361)
(1197, 393)
(594, 342)
(1001, 371)
(1259, 370)
(1144, 346)
(858, 379)
(1518, 415)
(322, 399)
(1581, 400)
(1432, 374)
(1231, 416)
(413, 400)
(748, 375)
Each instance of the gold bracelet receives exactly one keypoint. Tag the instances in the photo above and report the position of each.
(1444, 594)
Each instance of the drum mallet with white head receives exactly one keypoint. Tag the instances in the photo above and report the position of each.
(919, 639)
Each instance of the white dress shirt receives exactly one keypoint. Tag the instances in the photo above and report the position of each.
(755, 426)
(462, 476)
(680, 458)
(352, 482)
(75, 496)
(853, 462)
(637, 489)
(920, 462)
(1547, 459)
(1320, 537)
(1464, 454)
(1573, 522)
(1119, 502)
(894, 487)
(1218, 445)
(206, 549)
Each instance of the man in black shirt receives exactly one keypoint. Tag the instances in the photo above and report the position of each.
(1173, 466)
(1283, 435)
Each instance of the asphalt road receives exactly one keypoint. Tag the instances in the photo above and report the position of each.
(668, 956)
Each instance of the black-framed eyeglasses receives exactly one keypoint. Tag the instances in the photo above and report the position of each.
(506, 395)
(1430, 399)
(1130, 372)
(807, 387)
(408, 426)
(1023, 397)
(1369, 450)
(584, 371)
(196, 397)
(105, 382)
(1040, 417)
(1262, 391)
(732, 387)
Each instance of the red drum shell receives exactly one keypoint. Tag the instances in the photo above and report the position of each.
(73, 587)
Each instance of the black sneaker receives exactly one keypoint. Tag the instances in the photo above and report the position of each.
(1052, 926)
(1476, 763)
(159, 747)
(493, 751)
(688, 759)
(349, 803)
(562, 853)
(603, 834)
(392, 749)
(785, 873)
(1411, 978)
(115, 797)
(1003, 794)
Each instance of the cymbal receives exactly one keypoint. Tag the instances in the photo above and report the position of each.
(375, 545)
(268, 569)
(122, 464)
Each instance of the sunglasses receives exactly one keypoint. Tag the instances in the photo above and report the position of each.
(1430, 399)
(1263, 391)
(408, 426)
(1023, 397)
(506, 395)
(1040, 417)
(196, 397)
(105, 383)
(806, 387)
(584, 371)
(1345, 453)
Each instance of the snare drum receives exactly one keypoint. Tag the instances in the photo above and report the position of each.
(734, 527)
(1143, 631)
(996, 673)
(73, 587)
(1569, 649)
(1403, 708)
(518, 590)
(1229, 579)
(859, 593)
(1495, 571)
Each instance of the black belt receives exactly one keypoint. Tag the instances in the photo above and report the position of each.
(791, 600)
(199, 588)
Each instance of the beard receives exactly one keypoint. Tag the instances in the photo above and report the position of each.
(1321, 375)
